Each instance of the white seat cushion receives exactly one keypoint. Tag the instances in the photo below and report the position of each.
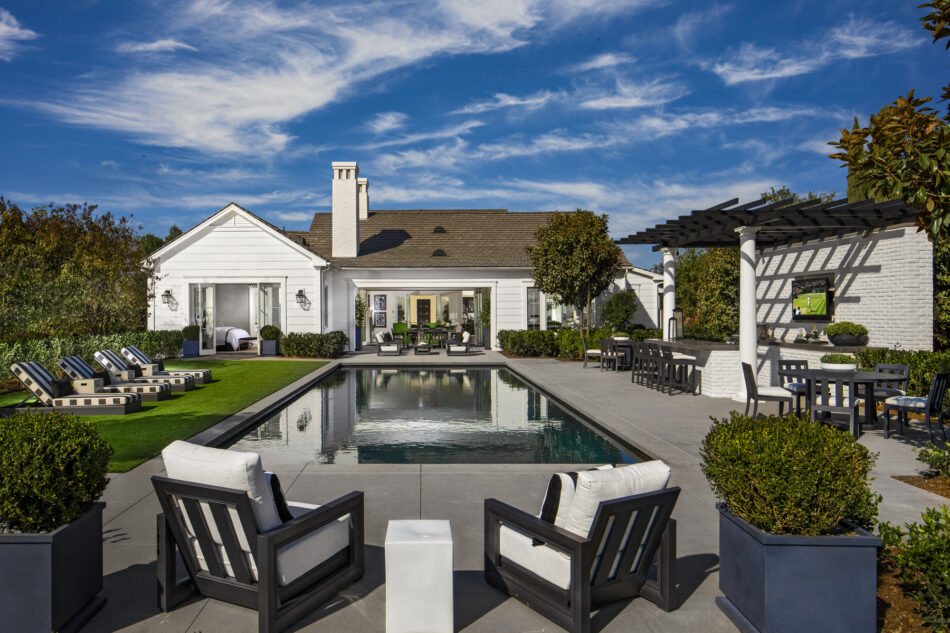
(777, 392)
(546, 562)
(911, 402)
(594, 486)
(593, 352)
(887, 392)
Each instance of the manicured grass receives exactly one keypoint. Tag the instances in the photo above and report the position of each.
(237, 384)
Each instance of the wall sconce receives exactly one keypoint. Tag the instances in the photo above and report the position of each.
(167, 297)
(302, 300)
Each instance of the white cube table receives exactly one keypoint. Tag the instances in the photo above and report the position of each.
(419, 577)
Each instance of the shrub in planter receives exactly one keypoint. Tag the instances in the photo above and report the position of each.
(52, 472)
(189, 341)
(270, 340)
(921, 556)
(847, 333)
(838, 361)
(795, 554)
(270, 333)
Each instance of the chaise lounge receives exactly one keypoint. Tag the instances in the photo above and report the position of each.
(137, 358)
(63, 395)
(77, 369)
(121, 372)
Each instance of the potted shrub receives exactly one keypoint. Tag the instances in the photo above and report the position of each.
(52, 472)
(189, 342)
(847, 333)
(360, 321)
(795, 553)
(840, 362)
(270, 340)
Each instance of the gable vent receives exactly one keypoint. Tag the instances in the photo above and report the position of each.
(439, 229)
(438, 253)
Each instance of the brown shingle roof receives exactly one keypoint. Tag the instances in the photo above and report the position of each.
(405, 238)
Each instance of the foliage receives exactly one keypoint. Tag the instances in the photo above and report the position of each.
(190, 333)
(707, 291)
(923, 365)
(52, 469)
(936, 457)
(845, 327)
(360, 311)
(942, 291)
(270, 333)
(528, 342)
(312, 345)
(564, 343)
(921, 556)
(68, 271)
(484, 315)
(839, 359)
(787, 475)
(47, 351)
(574, 259)
(784, 193)
(149, 243)
(619, 309)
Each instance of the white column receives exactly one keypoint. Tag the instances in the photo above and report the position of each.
(669, 290)
(748, 341)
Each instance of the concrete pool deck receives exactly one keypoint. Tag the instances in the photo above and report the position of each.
(666, 427)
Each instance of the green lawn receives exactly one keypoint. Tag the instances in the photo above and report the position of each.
(237, 384)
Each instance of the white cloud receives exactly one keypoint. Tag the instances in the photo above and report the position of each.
(157, 46)
(446, 132)
(605, 60)
(387, 122)
(689, 25)
(856, 39)
(628, 94)
(446, 156)
(109, 163)
(293, 216)
(292, 60)
(555, 141)
(501, 100)
(12, 34)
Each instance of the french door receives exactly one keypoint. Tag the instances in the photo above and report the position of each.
(202, 315)
(268, 306)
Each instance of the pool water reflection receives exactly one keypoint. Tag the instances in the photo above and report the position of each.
(428, 416)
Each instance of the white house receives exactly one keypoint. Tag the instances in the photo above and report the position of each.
(235, 270)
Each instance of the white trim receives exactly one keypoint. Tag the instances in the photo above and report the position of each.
(422, 284)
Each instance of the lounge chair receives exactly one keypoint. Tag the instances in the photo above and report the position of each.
(386, 346)
(754, 393)
(77, 369)
(242, 543)
(137, 358)
(591, 545)
(62, 395)
(930, 408)
(460, 349)
(122, 372)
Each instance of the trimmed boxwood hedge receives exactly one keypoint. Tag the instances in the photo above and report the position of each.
(788, 475)
(312, 345)
(923, 365)
(845, 327)
(563, 343)
(52, 469)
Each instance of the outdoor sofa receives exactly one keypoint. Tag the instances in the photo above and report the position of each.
(63, 396)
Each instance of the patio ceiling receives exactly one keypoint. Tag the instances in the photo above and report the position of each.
(777, 223)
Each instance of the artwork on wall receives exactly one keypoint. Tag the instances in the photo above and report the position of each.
(379, 302)
(811, 298)
(379, 318)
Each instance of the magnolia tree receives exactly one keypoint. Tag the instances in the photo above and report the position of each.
(575, 260)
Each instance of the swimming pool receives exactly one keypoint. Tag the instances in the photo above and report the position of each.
(429, 416)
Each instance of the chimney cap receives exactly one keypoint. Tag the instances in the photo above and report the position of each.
(343, 164)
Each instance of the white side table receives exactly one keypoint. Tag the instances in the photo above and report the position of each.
(419, 577)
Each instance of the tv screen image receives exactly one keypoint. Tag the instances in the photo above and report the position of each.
(810, 298)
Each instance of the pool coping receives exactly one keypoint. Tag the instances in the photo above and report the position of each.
(233, 427)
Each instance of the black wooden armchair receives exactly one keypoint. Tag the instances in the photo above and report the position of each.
(604, 567)
(283, 572)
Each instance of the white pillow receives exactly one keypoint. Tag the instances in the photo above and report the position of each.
(227, 469)
(594, 486)
(466, 337)
(559, 495)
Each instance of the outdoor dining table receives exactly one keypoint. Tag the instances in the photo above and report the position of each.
(867, 379)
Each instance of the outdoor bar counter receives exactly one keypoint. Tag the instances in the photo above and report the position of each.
(718, 363)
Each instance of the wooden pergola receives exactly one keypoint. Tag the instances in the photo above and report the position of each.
(755, 226)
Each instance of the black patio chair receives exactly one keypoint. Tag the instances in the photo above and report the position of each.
(591, 354)
(677, 373)
(386, 345)
(754, 393)
(930, 407)
(798, 387)
(611, 563)
(301, 557)
(896, 382)
(832, 394)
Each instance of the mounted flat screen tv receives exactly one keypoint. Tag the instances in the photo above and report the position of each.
(811, 299)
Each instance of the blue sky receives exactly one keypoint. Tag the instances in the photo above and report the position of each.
(643, 109)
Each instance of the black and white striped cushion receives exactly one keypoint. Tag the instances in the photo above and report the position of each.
(36, 379)
(96, 400)
(111, 361)
(138, 358)
(76, 368)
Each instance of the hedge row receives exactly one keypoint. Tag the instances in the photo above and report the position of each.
(155, 343)
(310, 345)
(564, 343)
(923, 365)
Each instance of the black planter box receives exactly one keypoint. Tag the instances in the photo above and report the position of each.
(53, 581)
(189, 349)
(848, 339)
(787, 584)
(270, 348)
(359, 339)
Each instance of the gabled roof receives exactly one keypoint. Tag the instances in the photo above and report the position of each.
(470, 238)
(232, 207)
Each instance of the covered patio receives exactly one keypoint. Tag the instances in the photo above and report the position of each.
(755, 227)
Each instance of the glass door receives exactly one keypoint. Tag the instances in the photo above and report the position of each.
(206, 319)
(268, 306)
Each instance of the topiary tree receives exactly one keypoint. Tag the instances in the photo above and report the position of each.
(619, 310)
(574, 259)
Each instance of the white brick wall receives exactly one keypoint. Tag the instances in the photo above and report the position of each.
(883, 281)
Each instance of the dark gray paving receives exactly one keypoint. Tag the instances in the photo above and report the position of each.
(667, 427)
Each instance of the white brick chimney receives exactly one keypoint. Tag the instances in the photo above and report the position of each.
(363, 197)
(345, 224)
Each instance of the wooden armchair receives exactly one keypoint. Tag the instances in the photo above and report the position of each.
(562, 574)
(243, 544)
